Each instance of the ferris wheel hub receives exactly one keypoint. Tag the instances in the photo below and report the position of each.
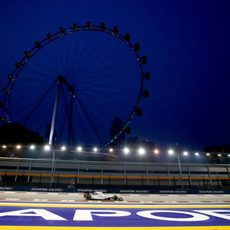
(62, 80)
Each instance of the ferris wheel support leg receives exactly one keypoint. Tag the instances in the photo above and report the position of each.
(52, 128)
(70, 121)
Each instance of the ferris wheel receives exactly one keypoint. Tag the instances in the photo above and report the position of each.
(73, 85)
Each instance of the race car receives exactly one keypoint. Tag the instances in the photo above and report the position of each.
(101, 196)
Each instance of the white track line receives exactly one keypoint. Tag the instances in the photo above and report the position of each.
(31, 193)
(121, 202)
(68, 200)
(40, 200)
(12, 199)
(9, 192)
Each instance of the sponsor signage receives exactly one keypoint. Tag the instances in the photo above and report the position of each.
(132, 191)
(113, 217)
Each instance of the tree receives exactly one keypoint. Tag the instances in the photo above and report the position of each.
(14, 133)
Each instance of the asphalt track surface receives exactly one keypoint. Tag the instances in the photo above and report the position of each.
(128, 198)
(69, 211)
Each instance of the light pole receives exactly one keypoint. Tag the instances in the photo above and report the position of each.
(126, 152)
(52, 168)
(47, 148)
(171, 152)
(179, 164)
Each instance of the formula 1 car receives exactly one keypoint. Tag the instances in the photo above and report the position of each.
(101, 196)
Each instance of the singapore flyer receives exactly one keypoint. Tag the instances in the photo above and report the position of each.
(73, 85)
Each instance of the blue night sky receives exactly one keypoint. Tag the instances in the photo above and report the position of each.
(187, 45)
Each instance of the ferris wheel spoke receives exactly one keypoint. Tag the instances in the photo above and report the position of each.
(69, 110)
(42, 65)
(101, 72)
(74, 59)
(100, 68)
(88, 63)
(105, 79)
(83, 60)
(35, 72)
(58, 64)
(63, 124)
(103, 117)
(94, 56)
(68, 59)
(62, 51)
(39, 102)
(91, 123)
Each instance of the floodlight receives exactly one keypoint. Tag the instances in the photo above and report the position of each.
(18, 147)
(47, 148)
(111, 150)
(95, 149)
(141, 151)
(32, 147)
(185, 153)
(170, 151)
(126, 150)
(156, 151)
(79, 148)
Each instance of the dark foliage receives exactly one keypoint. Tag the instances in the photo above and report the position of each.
(13, 133)
(219, 148)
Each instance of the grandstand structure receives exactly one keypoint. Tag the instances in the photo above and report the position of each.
(76, 175)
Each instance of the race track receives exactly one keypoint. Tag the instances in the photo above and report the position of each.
(130, 198)
(72, 212)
